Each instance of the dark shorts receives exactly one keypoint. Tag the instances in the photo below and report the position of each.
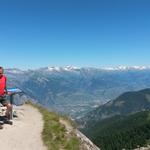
(3, 100)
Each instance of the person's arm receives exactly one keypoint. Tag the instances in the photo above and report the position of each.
(6, 86)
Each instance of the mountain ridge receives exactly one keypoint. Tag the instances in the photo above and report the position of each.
(127, 103)
(79, 91)
(74, 68)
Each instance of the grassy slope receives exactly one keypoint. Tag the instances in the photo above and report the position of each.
(54, 133)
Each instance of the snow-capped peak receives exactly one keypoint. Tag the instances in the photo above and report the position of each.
(14, 70)
(70, 68)
(53, 68)
(67, 68)
(141, 67)
(126, 68)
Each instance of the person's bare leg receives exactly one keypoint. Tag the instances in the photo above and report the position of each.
(8, 114)
(1, 127)
(9, 110)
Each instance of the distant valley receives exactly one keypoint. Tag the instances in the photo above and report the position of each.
(76, 91)
(111, 105)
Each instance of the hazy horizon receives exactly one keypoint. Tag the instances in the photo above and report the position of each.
(80, 67)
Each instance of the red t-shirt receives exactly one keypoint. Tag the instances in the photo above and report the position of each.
(2, 85)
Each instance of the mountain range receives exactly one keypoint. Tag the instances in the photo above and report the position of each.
(76, 91)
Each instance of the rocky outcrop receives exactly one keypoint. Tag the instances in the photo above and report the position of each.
(143, 148)
(86, 143)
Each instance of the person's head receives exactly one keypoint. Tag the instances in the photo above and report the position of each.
(1, 71)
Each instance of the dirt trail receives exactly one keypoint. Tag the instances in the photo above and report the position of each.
(25, 133)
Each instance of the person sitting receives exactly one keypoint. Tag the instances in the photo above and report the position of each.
(3, 100)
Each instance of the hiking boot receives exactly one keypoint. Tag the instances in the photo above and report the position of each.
(15, 114)
(1, 122)
(8, 122)
(1, 127)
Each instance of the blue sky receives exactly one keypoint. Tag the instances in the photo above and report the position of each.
(39, 33)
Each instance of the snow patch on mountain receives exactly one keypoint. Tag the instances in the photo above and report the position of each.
(14, 71)
(77, 69)
(66, 68)
(126, 68)
(53, 68)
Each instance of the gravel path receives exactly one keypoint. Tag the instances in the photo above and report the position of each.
(25, 133)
